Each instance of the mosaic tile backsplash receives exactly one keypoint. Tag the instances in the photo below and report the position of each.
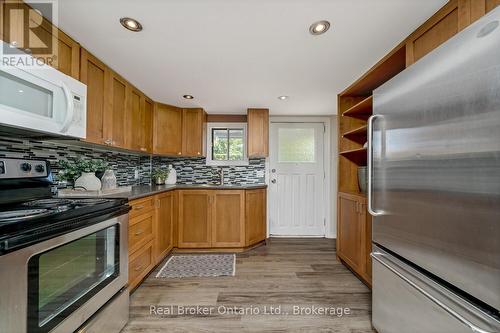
(195, 171)
(124, 164)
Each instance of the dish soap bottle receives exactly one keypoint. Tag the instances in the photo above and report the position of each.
(172, 175)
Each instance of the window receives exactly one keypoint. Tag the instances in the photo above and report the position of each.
(296, 145)
(226, 144)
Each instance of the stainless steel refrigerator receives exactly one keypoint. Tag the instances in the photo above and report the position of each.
(434, 189)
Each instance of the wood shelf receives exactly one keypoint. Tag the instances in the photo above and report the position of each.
(358, 135)
(362, 110)
(357, 156)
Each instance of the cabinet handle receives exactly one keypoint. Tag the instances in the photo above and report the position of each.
(143, 149)
(139, 207)
(139, 232)
(138, 268)
(108, 141)
(198, 153)
(178, 153)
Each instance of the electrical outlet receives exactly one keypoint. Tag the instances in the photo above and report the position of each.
(136, 174)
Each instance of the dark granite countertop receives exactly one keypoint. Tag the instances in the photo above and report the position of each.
(141, 191)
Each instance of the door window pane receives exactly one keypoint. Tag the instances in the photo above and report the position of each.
(25, 96)
(296, 145)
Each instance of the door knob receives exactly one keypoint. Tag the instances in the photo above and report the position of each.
(273, 181)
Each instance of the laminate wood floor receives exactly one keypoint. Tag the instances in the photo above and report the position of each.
(291, 275)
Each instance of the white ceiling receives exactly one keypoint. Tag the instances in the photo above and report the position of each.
(235, 54)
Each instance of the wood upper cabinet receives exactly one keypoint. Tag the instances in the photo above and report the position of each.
(354, 234)
(93, 73)
(258, 132)
(42, 34)
(256, 216)
(193, 132)
(116, 109)
(228, 216)
(165, 215)
(133, 119)
(147, 124)
(195, 219)
(455, 16)
(167, 130)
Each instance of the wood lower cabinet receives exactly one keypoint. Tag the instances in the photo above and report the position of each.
(228, 216)
(165, 217)
(195, 219)
(140, 263)
(167, 130)
(255, 215)
(258, 132)
(354, 234)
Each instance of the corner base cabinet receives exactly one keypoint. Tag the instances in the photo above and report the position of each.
(354, 235)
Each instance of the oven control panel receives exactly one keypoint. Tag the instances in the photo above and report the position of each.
(14, 168)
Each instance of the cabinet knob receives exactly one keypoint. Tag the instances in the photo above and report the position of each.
(143, 149)
(108, 141)
(198, 153)
(178, 153)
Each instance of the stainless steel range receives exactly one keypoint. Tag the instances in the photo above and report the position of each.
(63, 262)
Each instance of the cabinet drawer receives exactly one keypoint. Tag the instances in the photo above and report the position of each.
(141, 206)
(140, 264)
(140, 231)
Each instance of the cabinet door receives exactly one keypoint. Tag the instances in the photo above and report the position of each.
(256, 224)
(167, 136)
(479, 8)
(147, 125)
(447, 22)
(258, 133)
(16, 15)
(134, 119)
(193, 124)
(117, 107)
(164, 224)
(228, 219)
(194, 219)
(350, 234)
(93, 74)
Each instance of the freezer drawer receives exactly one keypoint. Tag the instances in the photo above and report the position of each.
(405, 300)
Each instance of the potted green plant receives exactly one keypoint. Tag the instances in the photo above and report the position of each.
(82, 172)
(159, 175)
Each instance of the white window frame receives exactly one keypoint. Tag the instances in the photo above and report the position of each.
(211, 126)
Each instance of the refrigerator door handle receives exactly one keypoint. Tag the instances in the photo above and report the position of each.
(378, 257)
(370, 166)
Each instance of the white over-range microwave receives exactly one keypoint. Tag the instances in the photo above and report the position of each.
(42, 99)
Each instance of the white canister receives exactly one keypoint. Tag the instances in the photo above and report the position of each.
(88, 181)
(108, 180)
(172, 175)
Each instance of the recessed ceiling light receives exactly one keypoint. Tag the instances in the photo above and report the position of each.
(188, 96)
(283, 97)
(320, 27)
(131, 24)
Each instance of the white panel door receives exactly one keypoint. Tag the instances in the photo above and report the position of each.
(296, 201)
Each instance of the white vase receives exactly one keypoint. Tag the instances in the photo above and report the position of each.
(88, 181)
(172, 175)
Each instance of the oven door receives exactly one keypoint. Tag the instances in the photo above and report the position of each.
(56, 285)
